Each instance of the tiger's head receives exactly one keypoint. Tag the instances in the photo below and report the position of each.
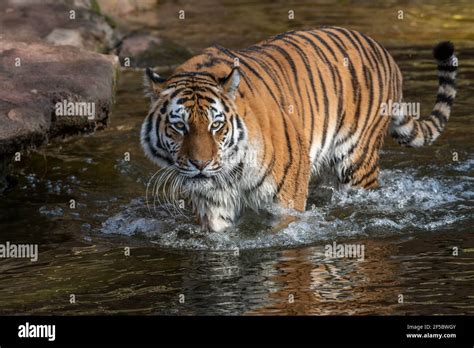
(193, 126)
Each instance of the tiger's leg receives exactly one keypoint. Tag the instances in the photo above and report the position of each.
(293, 192)
(213, 215)
(216, 219)
(281, 222)
(360, 167)
(293, 186)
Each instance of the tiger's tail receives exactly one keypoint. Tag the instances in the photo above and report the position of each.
(411, 132)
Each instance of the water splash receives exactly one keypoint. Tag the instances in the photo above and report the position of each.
(405, 203)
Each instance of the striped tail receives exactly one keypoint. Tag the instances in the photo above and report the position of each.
(415, 133)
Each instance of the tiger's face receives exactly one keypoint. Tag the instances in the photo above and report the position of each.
(196, 133)
(193, 126)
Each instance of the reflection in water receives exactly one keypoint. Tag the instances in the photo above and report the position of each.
(253, 282)
(308, 283)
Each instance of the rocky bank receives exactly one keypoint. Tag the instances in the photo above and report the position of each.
(68, 51)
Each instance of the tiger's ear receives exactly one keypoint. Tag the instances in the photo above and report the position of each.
(153, 83)
(230, 84)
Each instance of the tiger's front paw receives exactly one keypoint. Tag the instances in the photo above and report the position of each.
(215, 223)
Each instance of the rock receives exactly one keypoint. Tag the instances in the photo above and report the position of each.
(64, 37)
(137, 44)
(56, 22)
(122, 8)
(147, 49)
(88, 4)
(55, 211)
(35, 77)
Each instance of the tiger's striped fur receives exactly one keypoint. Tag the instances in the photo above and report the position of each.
(248, 127)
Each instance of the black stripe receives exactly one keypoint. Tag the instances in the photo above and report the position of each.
(285, 125)
(293, 68)
(356, 99)
(230, 142)
(443, 98)
(159, 143)
(306, 63)
(240, 127)
(373, 153)
(370, 182)
(164, 107)
(341, 114)
(224, 102)
(442, 118)
(149, 123)
(183, 100)
(449, 68)
(175, 93)
(357, 102)
(334, 72)
(272, 73)
(352, 39)
(281, 69)
(375, 46)
(287, 165)
(195, 74)
(445, 80)
(173, 116)
(413, 134)
(368, 173)
(376, 120)
(429, 131)
(211, 61)
(190, 83)
(424, 131)
(337, 41)
(326, 111)
(290, 151)
(156, 154)
(264, 176)
(242, 73)
(322, 42)
(370, 105)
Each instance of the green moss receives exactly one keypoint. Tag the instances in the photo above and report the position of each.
(110, 21)
(95, 7)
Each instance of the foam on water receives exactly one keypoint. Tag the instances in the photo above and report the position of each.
(405, 203)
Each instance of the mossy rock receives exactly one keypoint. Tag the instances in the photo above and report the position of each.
(145, 50)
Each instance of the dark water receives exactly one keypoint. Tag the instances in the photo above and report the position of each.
(408, 227)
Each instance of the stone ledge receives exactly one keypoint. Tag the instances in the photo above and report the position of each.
(46, 75)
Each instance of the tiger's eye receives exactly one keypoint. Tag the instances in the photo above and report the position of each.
(179, 125)
(216, 124)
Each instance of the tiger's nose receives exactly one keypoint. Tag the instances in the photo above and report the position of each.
(199, 164)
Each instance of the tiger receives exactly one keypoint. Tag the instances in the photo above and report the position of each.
(247, 128)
